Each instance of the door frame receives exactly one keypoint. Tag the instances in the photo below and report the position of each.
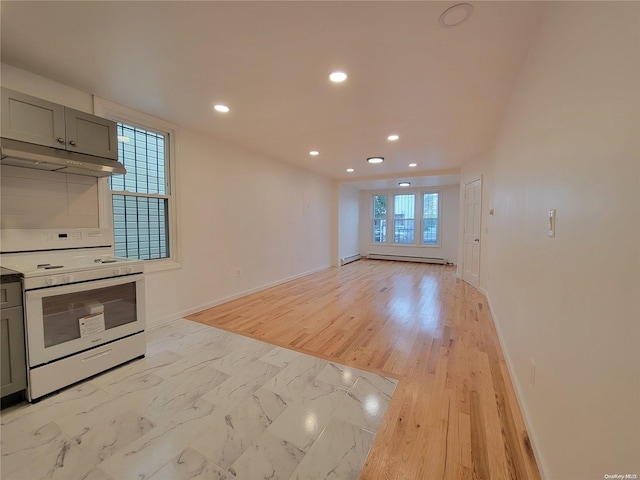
(464, 228)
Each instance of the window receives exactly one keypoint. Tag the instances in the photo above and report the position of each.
(379, 218)
(404, 209)
(141, 197)
(430, 216)
(415, 218)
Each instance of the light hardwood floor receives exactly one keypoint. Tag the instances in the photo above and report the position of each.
(454, 414)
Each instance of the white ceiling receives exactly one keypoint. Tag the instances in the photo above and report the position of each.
(443, 90)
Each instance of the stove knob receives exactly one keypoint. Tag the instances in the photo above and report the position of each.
(129, 269)
(51, 281)
(67, 278)
(117, 271)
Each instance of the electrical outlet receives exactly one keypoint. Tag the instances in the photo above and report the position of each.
(238, 273)
(532, 373)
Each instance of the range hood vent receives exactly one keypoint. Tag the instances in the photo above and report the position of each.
(29, 155)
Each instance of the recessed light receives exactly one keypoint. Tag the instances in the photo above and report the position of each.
(404, 184)
(454, 16)
(393, 138)
(221, 108)
(349, 170)
(413, 164)
(375, 159)
(314, 153)
(338, 77)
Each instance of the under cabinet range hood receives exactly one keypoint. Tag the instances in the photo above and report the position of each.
(23, 154)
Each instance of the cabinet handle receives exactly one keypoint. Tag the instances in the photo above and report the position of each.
(60, 140)
(72, 143)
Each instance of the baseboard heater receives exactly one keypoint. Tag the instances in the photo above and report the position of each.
(349, 259)
(403, 258)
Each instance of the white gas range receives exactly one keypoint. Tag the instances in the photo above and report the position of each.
(84, 308)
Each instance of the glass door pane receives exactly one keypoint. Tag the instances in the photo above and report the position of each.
(73, 315)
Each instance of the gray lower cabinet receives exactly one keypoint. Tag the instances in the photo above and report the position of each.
(12, 349)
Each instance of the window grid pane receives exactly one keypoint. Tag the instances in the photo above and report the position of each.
(143, 155)
(140, 227)
(380, 218)
(140, 222)
(430, 218)
(404, 208)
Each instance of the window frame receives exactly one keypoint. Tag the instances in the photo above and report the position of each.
(418, 217)
(438, 219)
(373, 219)
(413, 218)
(122, 114)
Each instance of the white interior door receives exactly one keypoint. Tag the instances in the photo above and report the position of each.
(472, 215)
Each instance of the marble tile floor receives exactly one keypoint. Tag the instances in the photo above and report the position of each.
(203, 404)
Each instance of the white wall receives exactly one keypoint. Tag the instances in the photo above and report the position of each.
(450, 211)
(570, 140)
(236, 211)
(240, 211)
(42, 199)
(348, 220)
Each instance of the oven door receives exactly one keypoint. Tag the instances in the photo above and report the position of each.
(68, 319)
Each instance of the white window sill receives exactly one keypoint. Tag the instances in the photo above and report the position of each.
(151, 266)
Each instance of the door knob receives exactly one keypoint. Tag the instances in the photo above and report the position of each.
(72, 143)
(60, 140)
(476, 240)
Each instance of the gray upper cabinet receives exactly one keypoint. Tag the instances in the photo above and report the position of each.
(33, 120)
(90, 134)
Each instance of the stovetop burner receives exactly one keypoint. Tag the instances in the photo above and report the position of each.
(45, 262)
(48, 269)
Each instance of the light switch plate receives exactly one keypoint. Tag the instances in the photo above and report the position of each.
(551, 232)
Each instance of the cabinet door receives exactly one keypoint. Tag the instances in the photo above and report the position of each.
(90, 134)
(32, 120)
(12, 352)
(10, 294)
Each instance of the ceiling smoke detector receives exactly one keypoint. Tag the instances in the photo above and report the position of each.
(454, 16)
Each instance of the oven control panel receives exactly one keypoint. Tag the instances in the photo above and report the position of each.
(35, 240)
(99, 273)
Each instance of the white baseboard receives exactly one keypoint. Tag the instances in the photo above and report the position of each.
(350, 258)
(198, 308)
(533, 438)
(407, 258)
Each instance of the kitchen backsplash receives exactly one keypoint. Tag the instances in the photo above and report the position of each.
(42, 199)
